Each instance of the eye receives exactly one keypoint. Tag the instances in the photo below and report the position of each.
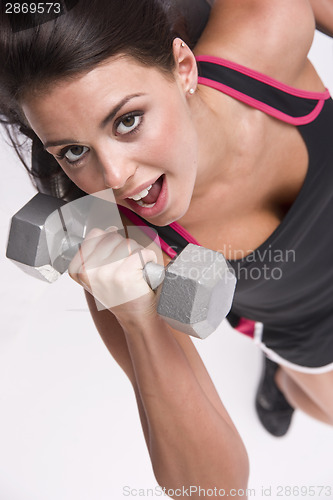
(128, 123)
(74, 153)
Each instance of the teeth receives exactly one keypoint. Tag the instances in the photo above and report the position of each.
(145, 205)
(142, 194)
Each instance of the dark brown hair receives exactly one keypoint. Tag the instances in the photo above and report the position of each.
(73, 43)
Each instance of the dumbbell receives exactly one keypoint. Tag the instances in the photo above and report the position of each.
(194, 291)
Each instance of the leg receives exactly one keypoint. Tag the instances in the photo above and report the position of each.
(273, 409)
(312, 393)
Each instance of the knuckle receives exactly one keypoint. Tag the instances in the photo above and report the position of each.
(149, 255)
(93, 233)
(130, 245)
(82, 277)
(72, 271)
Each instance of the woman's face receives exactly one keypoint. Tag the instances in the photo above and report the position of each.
(122, 126)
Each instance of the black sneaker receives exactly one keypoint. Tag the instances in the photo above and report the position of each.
(273, 409)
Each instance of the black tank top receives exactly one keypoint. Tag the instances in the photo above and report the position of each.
(287, 282)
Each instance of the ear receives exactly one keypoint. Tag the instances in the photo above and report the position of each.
(186, 70)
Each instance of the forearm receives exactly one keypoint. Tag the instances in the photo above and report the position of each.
(323, 12)
(190, 441)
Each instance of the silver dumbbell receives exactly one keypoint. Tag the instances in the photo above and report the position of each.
(195, 290)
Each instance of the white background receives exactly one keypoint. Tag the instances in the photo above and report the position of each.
(69, 428)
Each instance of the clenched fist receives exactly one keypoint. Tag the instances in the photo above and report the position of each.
(110, 268)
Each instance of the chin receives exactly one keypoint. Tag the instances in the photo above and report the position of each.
(169, 216)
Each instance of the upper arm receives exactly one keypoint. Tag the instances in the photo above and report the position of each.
(112, 335)
(323, 13)
(270, 36)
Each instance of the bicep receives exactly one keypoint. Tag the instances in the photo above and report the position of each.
(323, 13)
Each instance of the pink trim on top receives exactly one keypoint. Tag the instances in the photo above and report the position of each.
(264, 78)
(185, 234)
(138, 222)
(266, 108)
(246, 326)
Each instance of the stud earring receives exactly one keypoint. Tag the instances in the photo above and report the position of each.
(182, 44)
(191, 91)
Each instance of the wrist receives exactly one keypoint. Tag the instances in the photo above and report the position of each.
(138, 315)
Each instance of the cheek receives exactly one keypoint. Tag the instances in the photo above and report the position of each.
(82, 179)
(173, 142)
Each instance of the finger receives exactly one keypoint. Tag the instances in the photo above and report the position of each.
(111, 248)
(125, 277)
(133, 266)
(87, 248)
(137, 261)
(95, 237)
(125, 248)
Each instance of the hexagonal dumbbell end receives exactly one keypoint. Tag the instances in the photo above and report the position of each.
(67, 227)
(197, 291)
(27, 245)
(47, 232)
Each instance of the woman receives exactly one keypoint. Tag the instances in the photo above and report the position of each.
(236, 159)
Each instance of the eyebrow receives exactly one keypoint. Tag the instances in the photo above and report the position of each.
(102, 125)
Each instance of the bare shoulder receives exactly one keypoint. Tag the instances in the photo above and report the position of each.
(270, 36)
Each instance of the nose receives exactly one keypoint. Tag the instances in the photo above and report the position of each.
(116, 169)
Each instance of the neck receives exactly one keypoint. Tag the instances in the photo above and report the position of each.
(214, 147)
(224, 131)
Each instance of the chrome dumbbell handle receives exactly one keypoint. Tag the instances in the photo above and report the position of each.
(153, 274)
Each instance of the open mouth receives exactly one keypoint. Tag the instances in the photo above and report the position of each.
(152, 200)
(149, 196)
